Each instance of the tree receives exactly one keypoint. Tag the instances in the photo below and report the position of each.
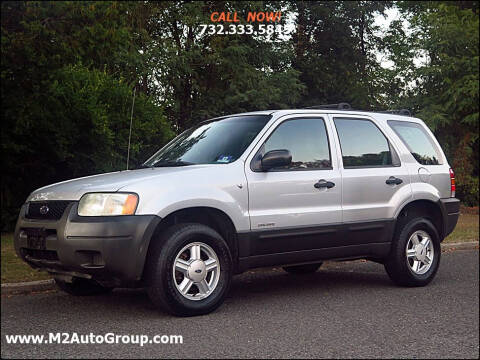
(68, 73)
(68, 70)
(436, 68)
(335, 44)
(201, 77)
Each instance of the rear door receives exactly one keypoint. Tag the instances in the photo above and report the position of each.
(292, 208)
(374, 181)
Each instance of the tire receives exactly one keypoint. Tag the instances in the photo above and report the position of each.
(164, 283)
(82, 287)
(401, 266)
(302, 269)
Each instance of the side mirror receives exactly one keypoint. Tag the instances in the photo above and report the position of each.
(276, 158)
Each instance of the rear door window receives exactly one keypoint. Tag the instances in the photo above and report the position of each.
(418, 141)
(362, 144)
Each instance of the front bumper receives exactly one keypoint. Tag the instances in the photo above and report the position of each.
(451, 211)
(110, 249)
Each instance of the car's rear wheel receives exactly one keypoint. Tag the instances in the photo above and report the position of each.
(415, 254)
(302, 269)
(82, 287)
(189, 270)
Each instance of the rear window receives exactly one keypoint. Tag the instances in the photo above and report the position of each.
(418, 141)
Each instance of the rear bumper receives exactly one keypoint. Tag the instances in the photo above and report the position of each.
(450, 210)
(110, 249)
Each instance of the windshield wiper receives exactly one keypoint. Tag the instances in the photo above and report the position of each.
(173, 163)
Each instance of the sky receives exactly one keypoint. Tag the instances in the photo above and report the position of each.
(384, 22)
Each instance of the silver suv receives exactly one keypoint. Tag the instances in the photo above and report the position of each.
(287, 188)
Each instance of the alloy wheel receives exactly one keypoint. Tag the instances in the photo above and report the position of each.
(420, 252)
(196, 271)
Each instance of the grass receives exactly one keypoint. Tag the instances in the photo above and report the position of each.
(15, 270)
(466, 229)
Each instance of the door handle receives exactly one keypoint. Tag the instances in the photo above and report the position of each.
(392, 180)
(324, 184)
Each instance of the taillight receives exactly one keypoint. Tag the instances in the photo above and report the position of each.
(452, 183)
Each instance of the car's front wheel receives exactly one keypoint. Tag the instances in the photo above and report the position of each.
(189, 270)
(415, 254)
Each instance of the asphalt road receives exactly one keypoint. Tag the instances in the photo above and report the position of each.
(345, 310)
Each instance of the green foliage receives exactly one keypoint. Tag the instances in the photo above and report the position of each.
(81, 127)
(335, 44)
(216, 74)
(98, 107)
(445, 36)
(467, 190)
(68, 72)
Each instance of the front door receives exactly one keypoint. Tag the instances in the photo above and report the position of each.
(296, 207)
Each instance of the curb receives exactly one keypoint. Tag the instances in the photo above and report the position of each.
(460, 246)
(44, 285)
(27, 287)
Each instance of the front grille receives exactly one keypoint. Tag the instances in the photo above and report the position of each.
(40, 254)
(47, 210)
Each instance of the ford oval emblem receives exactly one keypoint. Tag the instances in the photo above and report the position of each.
(44, 210)
(198, 271)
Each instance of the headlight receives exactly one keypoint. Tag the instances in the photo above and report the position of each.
(107, 204)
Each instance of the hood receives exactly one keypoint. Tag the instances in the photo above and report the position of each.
(109, 182)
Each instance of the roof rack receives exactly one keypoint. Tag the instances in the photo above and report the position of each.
(405, 112)
(346, 106)
(340, 106)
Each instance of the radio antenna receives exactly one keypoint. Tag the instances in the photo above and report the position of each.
(130, 134)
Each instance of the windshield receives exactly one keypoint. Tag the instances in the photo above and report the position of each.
(215, 142)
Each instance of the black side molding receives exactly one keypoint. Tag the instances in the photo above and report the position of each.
(370, 251)
(307, 244)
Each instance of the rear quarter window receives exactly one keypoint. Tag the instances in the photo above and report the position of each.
(418, 141)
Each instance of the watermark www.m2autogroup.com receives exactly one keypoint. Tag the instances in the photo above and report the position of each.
(107, 338)
(254, 23)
